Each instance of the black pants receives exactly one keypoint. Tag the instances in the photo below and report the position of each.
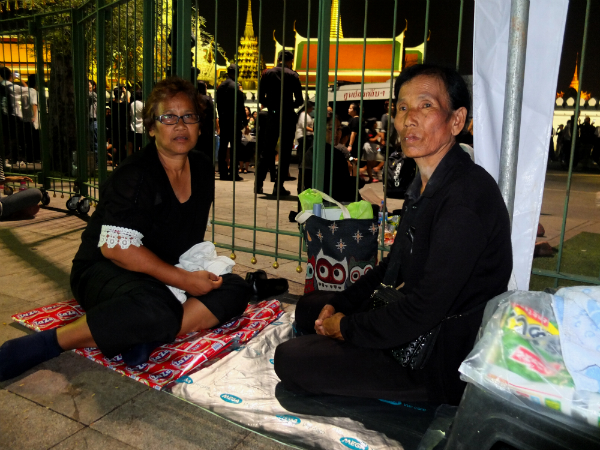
(269, 145)
(127, 308)
(321, 365)
(229, 137)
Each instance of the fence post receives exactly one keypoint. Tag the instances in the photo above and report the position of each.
(513, 100)
(321, 91)
(81, 98)
(101, 88)
(573, 141)
(36, 30)
(148, 37)
(183, 38)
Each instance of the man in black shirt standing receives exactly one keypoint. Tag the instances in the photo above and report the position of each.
(231, 133)
(270, 96)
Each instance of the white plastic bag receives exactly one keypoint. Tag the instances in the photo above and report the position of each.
(518, 357)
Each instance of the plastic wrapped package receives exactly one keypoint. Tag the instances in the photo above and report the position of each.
(518, 357)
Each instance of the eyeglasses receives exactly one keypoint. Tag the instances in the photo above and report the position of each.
(173, 119)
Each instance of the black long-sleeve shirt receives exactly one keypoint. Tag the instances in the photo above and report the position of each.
(225, 99)
(270, 90)
(459, 256)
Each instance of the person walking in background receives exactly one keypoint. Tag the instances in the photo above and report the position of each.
(586, 139)
(354, 126)
(136, 133)
(305, 122)
(119, 123)
(280, 110)
(93, 110)
(33, 99)
(231, 133)
(206, 139)
(246, 152)
(12, 110)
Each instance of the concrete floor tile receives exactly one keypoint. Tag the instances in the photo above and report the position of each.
(11, 304)
(88, 439)
(156, 420)
(28, 426)
(10, 329)
(255, 441)
(77, 387)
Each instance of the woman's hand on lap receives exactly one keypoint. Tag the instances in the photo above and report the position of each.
(201, 282)
(325, 313)
(328, 323)
(330, 326)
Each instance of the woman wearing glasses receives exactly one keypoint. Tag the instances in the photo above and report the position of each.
(152, 209)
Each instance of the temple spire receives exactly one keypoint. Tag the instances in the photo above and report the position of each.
(249, 30)
(333, 27)
(575, 80)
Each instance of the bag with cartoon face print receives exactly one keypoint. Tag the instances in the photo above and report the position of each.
(339, 251)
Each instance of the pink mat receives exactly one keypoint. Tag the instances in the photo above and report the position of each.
(168, 363)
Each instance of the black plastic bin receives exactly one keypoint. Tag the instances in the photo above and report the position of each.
(485, 421)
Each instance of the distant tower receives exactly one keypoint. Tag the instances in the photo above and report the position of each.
(247, 59)
(335, 8)
(575, 81)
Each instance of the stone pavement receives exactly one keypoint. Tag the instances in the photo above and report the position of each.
(74, 403)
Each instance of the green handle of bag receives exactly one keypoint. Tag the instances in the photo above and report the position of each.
(305, 214)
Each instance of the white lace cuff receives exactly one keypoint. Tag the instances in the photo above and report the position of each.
(124, 237)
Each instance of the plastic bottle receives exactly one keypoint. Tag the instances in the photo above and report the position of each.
(317, 209)
(23, 185)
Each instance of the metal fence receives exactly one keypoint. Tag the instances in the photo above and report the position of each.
(98, 57)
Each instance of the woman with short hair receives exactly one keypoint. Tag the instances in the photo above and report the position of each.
(452, 253)
(153, 208)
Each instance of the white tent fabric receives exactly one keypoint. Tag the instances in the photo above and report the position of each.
(544, 45)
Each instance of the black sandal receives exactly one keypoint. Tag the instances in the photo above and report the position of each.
(264, 287)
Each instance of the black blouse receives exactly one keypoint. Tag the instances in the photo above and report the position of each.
(138, 196)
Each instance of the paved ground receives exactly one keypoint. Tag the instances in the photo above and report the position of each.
(74, 403)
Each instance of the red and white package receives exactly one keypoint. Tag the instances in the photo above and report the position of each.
(168, 362)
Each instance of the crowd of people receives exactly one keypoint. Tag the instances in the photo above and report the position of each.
(20, 119)
(587, 143)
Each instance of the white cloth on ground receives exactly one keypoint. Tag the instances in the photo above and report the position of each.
(202, 256)
(577, 310)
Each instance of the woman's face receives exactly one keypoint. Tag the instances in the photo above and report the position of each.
(248, 112)
(178, 139)
(424, 121)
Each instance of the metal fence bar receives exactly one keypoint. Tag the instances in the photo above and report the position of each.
(80, 90)
(359, 141)
(148, 40)
(460, 22)
(513, 100)
(233, 154)
(42, 114)
(256, 128)
(321, 90)
(335, 87)
(101, 89)
(426, 33)
(573, 143)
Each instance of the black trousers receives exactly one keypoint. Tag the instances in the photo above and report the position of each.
(320, 365)
(268, 147)
(127, 308)
(228, 136)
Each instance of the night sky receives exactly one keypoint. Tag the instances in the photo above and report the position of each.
(443, 23)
